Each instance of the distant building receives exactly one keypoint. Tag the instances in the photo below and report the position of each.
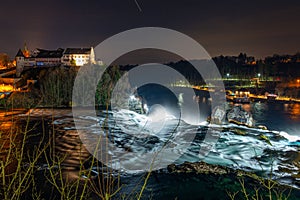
(50, 58)
(39, 57)
(78, 56)
(22, 61)
(20, 58)
(242, 96)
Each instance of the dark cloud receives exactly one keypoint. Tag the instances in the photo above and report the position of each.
(256, 27)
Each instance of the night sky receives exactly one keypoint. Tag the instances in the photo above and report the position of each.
(258, 28)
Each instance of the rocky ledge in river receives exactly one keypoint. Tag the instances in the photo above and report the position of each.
(198, 168)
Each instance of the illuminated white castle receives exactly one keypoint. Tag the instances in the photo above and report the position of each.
(48, 58)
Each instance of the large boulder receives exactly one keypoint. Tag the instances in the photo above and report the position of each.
(239, 116)
(235, 115)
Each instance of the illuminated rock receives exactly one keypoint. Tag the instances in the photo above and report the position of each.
(239, 116)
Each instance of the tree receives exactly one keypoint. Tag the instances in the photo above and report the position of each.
(106, 85)
(4, 60)
(56, 85)
(242, 58)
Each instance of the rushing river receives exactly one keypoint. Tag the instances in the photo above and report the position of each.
(274, 151)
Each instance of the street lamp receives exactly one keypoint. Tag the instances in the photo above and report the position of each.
(258, 75)
(227, 75)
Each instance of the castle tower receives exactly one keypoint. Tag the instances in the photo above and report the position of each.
(26, 52)
(20, 58)
(92, 56)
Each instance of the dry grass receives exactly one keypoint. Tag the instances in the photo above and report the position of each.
(21, 161)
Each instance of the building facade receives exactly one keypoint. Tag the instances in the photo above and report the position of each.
(78, 56)
(50, 58)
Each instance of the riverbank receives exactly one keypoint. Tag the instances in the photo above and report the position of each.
(264, 98)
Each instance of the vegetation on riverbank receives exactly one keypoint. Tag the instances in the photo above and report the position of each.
(54, 87)
(36, 165)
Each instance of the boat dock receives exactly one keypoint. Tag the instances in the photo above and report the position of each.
(277, 99)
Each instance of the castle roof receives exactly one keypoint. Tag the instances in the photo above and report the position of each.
(42, 53)
(20, 53)
(78, 51)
